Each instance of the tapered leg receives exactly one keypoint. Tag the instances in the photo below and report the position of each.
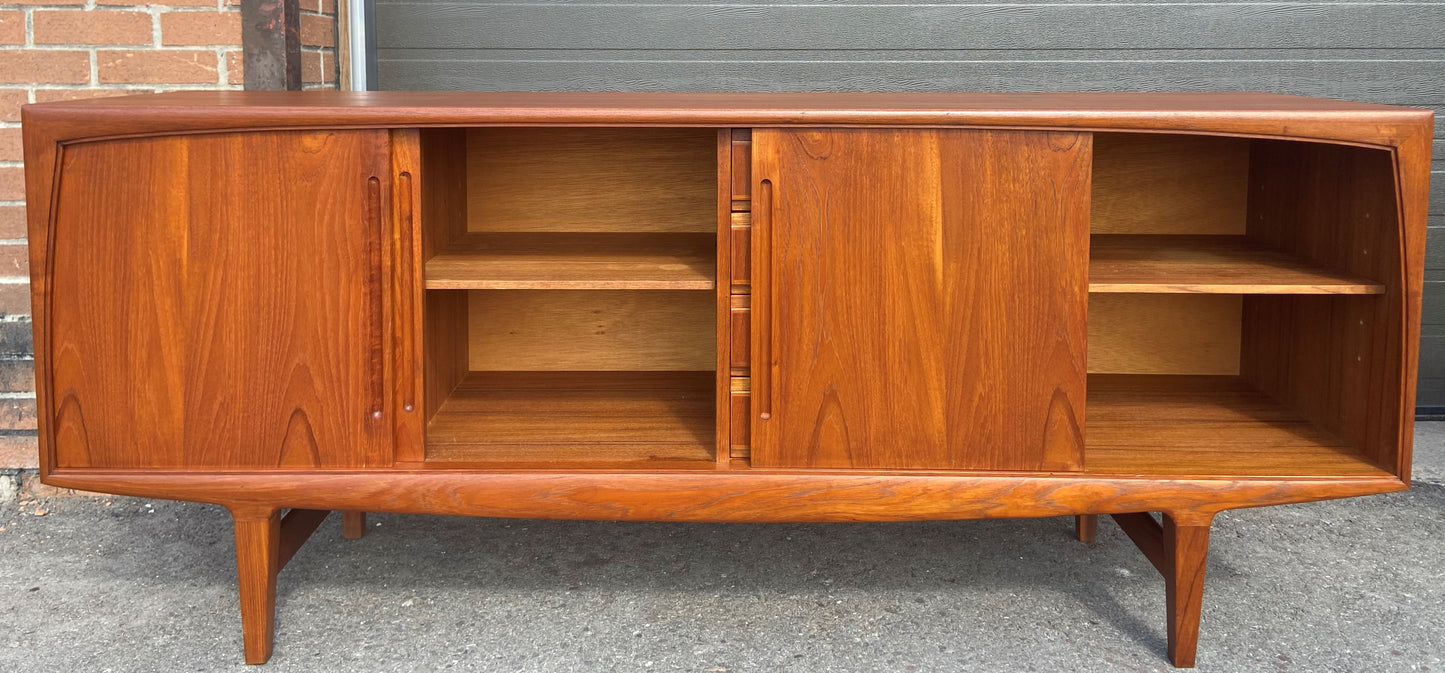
(353, 525)
(258, 559)
(1086, 527)
(1187, 550)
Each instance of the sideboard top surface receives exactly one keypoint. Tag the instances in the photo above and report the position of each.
(1234, 113)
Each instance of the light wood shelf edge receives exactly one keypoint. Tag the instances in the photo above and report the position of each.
(1210, 264)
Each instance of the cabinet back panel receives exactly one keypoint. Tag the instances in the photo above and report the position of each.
(1164, 333)
(592, 330)
(587, 179)
(1147, 183)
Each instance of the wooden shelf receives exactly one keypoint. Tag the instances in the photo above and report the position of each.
(576, 261)
(1209, 426)
(576, 417)
(1208, 264)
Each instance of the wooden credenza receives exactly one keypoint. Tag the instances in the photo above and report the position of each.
(727, 307)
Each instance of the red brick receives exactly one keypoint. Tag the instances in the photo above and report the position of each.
(309, 5)
(10, 149)
(70, 26)
(201, 28)
(318, 31)
(14, 260)
(14, 299)
(45, 2)
(10, 102)
(44, 66)
(328, 7)
(16, 414)
(12, 186)
(12, 224)
(235, 70)
(158, 67)
(48, 95)
(12, 27)
(19, 451)
(310, 66)
(149, 3)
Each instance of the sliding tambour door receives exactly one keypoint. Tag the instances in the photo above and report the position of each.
(216, 301)
(919, 298)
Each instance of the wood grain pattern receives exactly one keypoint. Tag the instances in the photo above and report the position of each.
(1169, 184)
(1221, 426)
(741, 231)
(406, 255)
(258, 559)
(742, 495)
(740, 405)
(265, 542)
(1164, 334)
(296, 528)
(739, 333)
(1187, 548)
(588, 261)
(441, 221)
(1244, 114)
(575, 417)
(591, 330)
(1339, 361)
(1209, 264)
(721, 296)
(160, 271)
(909, 220)
(591, 180)
(1180, 552)
(742, 165)
(1299, 425)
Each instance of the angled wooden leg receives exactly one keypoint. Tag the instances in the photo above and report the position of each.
(1086, 527)
(1187, 548)
(1179, 551)
(265, 543)
(353, 525)
(258, 559)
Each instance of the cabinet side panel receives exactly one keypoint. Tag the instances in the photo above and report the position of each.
(442, 220)
(219, 302)
(1337, 361)
(926, 295)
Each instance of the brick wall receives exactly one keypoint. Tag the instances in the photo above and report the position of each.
(66, 49)
(318, 44)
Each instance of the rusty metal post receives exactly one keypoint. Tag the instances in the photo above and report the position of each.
(271, 44)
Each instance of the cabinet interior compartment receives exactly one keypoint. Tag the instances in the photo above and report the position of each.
(1245, 303)
(570, 302)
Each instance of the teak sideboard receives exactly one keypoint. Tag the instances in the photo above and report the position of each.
(727, 307)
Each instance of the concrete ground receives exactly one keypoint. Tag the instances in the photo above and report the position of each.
(119, 584)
